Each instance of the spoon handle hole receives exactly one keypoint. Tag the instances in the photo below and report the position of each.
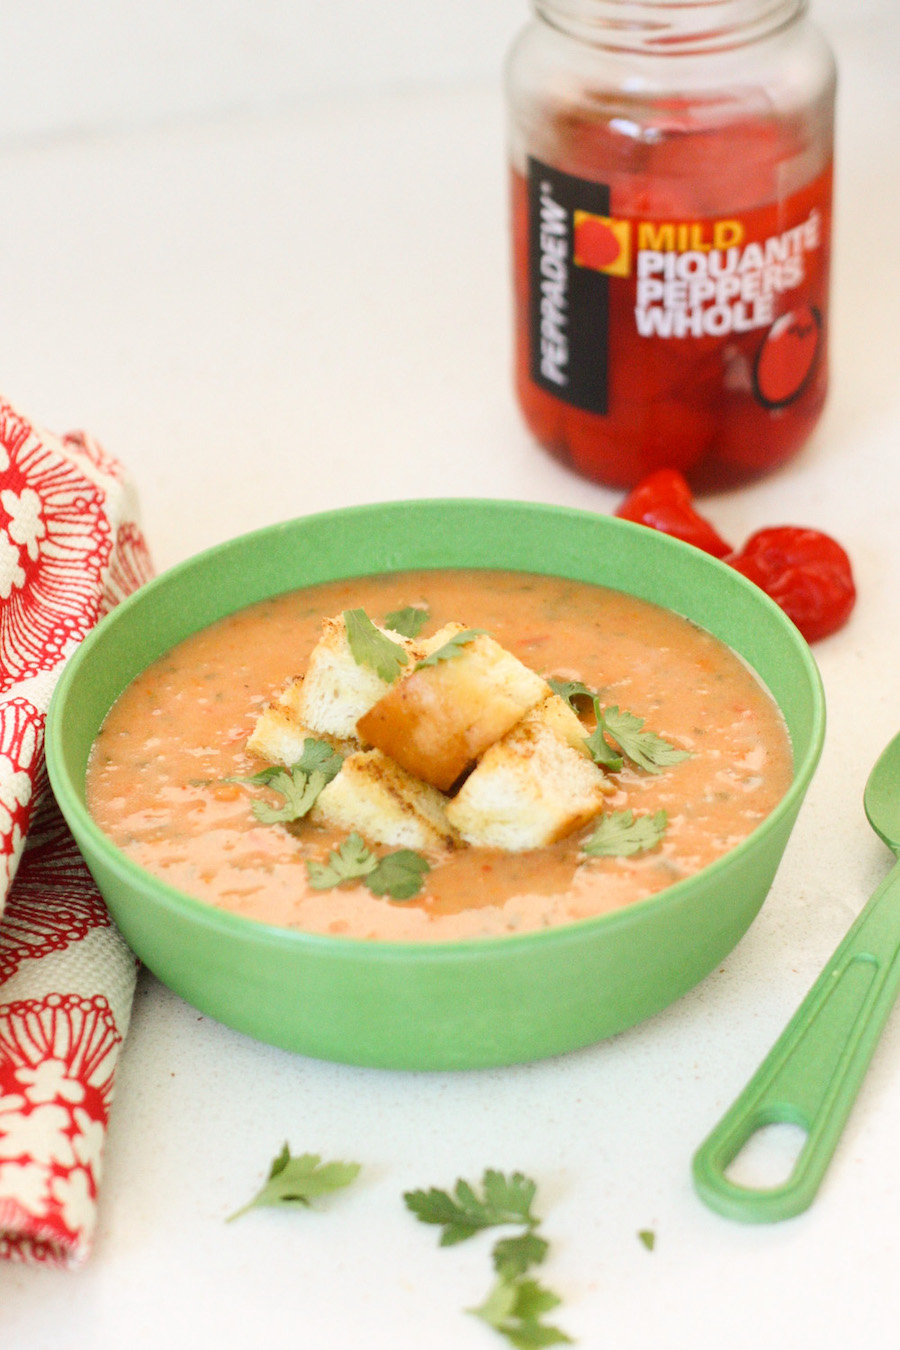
(768, 1158)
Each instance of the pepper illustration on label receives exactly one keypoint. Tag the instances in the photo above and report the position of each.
(602, 243)
(787, 356)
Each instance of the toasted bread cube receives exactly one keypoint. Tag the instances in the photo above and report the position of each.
(280, 735)
(531, 788)
(437, 720)
(384, 803)
(336, 691)
(559, 718)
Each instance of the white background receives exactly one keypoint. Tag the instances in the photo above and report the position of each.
(260, 251)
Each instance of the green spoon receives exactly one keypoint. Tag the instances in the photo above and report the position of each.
(812, 1074)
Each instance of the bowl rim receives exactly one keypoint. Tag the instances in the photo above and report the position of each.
(228, 924)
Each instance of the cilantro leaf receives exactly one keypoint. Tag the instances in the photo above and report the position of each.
(644, 748)
(498, 1307)
(512, 1195)
(601, 751)
(513, 1256)
(463, 1214)
(437, 1207)
(517, 1303)
(648, 1237)
(534, 1299)
(262, 778)
(350, 860)
(514, 1308)
(571, 691)
(409, 621)
(451, 648)
(598, 746)
(369, 646)
(400, 875)
(621, 834)
(294, 1182)
(299, 791)
(319, 756)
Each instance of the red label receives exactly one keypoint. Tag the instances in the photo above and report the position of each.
(700, 339)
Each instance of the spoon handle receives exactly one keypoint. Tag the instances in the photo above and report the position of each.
(812, 1074)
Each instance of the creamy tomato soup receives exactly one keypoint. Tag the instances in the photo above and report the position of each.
(160, 780)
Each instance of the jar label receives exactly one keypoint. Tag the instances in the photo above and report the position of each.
(569, 301)
(596, 280)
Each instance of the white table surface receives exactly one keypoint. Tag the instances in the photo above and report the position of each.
(267, 317)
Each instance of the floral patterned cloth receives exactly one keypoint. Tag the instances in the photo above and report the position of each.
(70, 549)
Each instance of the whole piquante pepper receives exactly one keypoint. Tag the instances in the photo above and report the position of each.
(664, 501)
(804, 571)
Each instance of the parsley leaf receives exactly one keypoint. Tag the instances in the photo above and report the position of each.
(514, 1255)
(369, 646)
(400, 875)
(648, 1237)
(598, 746)
(350, 860)
(622, 834)
(451, 648)
(513, 1195)
(294, 1182)
(299, 791)
(601, 751)
(463, 1214)
(320, 756)
(571, 690)
(262, 778)
(517, 1303)
(409, 621)
(316, 754)
(644, 748)
(515, 1308)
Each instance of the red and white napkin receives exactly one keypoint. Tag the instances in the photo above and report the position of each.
(70, 549)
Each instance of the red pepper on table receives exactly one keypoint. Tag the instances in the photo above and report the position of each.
(804, 571)
(664, 501)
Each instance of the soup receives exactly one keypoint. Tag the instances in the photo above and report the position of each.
(169, 774)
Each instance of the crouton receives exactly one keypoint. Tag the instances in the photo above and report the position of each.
(558, 717)
(279, 734)
(384, 803)
(336, 691)
(532, 787)
(438, 719)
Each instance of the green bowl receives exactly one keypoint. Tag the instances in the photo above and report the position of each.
(465, 1004)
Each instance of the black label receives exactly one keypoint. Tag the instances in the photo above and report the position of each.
(569, 302)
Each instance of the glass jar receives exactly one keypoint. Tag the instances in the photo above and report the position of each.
(671, 206)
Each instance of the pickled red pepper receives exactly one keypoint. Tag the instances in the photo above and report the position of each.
(671, 257)
(803, 570)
